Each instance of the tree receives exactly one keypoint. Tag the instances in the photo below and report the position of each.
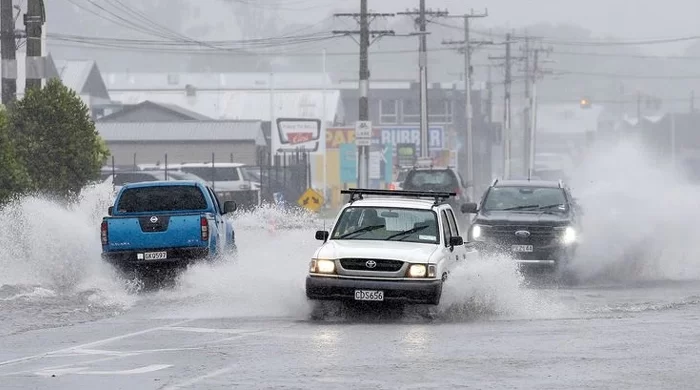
(13, 177)
(56, 141)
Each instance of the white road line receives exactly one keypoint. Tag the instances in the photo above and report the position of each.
(83, 371)
(91, 344)
(207, 330)
(198, 379)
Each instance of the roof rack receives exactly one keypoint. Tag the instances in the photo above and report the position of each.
(438, 196)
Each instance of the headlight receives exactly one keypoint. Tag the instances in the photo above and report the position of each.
(569, 236)
(322, 266)
(417, 271)
(477, 233)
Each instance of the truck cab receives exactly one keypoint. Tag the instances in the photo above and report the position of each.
(166, 224)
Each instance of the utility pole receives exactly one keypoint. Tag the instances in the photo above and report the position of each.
(423, 72)
(527, 110)
(34, 20)
(537, 72)
(507, 136)
(469, 112)
(364, 32)
(530, 135)
(9, 59)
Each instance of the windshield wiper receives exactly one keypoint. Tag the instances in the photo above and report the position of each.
(529, 206)
(551, 206)
(361, 230)
(407, 232)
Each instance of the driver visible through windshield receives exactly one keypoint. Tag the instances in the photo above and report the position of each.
(525, 198)
(386, 224)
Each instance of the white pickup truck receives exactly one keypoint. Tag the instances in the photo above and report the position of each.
(399, 246)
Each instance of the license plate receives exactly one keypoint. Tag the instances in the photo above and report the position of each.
(521, 248)
(369, 295)
(155, 255)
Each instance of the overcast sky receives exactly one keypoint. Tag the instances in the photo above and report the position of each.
(630, 19)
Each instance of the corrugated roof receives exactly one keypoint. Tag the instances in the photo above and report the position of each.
(183, 111)
(74, 73)
(181, 131)
(243, 105)
(215, 81)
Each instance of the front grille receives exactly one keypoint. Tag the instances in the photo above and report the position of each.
(505, 235)
(380, 265)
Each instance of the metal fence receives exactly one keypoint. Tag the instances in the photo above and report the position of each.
(284, 178)
(280, 180)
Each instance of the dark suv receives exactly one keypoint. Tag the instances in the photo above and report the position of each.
(438, 179)
(534, 222)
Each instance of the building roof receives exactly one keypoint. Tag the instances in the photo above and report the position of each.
(178, 111)
(242, 104)
(181, 131)
(216, 81)
(74, 74)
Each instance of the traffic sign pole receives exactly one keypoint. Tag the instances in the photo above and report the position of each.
(363, 141)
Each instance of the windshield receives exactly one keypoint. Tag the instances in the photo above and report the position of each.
(215, 173)
(432, 178)
(161, 198)
(387, 224)
(524, 198)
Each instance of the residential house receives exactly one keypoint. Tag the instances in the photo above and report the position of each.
(82, 76)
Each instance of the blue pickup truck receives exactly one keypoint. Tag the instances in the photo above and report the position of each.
(166, 224)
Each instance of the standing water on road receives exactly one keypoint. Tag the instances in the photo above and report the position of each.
(637, 228)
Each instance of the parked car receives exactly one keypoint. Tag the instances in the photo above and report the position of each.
(228, 178)
(163, 224)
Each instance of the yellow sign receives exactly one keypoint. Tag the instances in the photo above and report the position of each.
(311, 200)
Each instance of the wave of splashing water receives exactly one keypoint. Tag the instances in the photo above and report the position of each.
(493, 287)
(51, 261)
(639, 221)
(266, 278)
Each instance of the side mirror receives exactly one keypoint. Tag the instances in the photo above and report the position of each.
(230, 206)
(110, 210)
(322, 235)
(456, 241)
(469, 208)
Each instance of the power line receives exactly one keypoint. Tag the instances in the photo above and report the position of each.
(555, 41)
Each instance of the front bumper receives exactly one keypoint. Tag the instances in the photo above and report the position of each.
(541, 256)
(404, 291)
(175, 256)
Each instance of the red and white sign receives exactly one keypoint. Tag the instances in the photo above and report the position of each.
(296, 133)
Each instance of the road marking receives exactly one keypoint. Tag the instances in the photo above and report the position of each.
(83, 371)
(81, 352)
(92, 344)
(198, 379)
(206, 330)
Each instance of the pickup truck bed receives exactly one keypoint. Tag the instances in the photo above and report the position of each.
(165, 223)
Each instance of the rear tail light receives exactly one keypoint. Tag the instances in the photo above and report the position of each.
(103, 233)
(204, 223)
